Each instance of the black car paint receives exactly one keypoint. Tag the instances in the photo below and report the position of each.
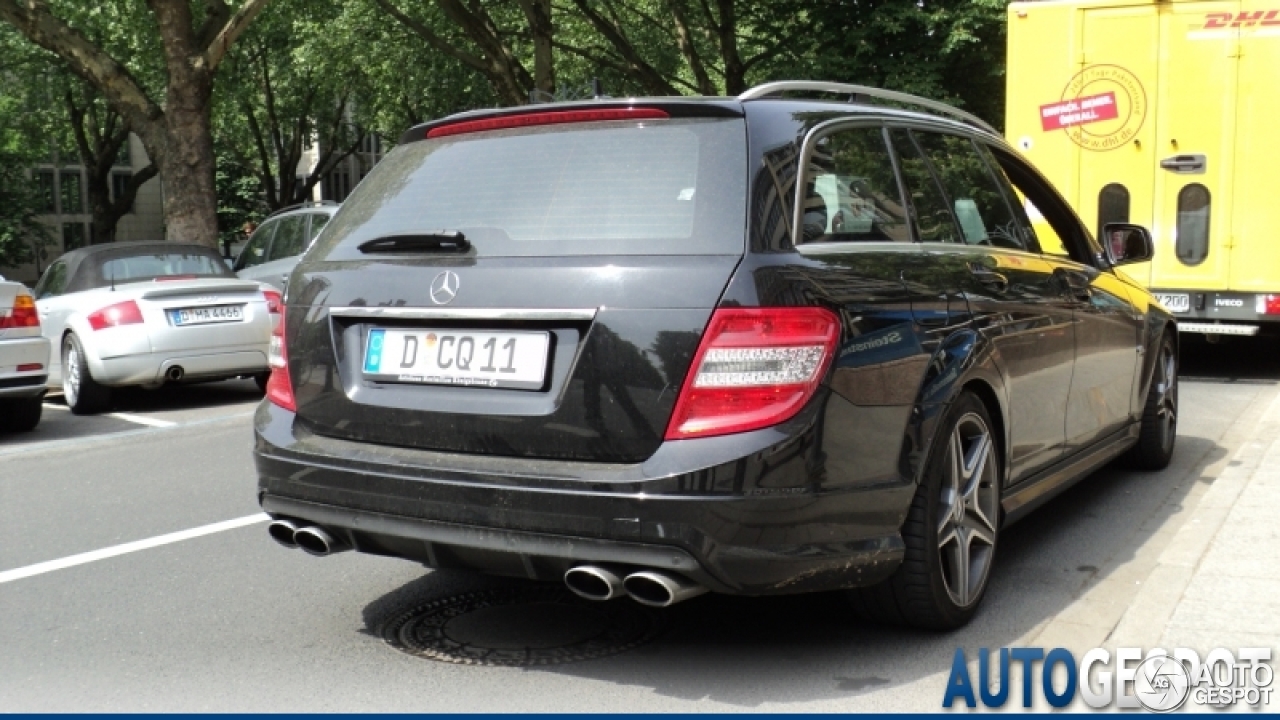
(532, 487)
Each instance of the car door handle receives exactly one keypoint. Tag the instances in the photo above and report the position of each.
(1076, 284)
(1185, 164)
(990, 278)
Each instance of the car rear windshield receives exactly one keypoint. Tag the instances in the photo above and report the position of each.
(146, 266)
(663, 187)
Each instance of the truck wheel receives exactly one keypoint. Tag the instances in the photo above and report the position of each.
(84, 395)
(950, 531)
(21, 414)
(1159, 429)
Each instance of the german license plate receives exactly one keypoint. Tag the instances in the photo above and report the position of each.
(457, 357)
(1176, 302)
(206, 315)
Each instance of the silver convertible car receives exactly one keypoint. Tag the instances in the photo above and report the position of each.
(144, 314)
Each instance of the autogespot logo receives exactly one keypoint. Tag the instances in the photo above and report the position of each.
(1159, 680)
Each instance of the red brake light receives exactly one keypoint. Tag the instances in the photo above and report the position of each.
(23, 314)
(546, 118)
(754, 368)
(1268, 305)
(275, 301)
(125, 313)
(280, 385)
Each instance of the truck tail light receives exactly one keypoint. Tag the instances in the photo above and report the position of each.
(280, 385)
(755, 367)
(1268, 305)
(23, 314)
(124, 313)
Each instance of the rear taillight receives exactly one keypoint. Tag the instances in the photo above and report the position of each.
(23, 314)
(556, 117)
(125, 313)
(754, 368)
(275, 301)
(1268, 305)
(280, 386)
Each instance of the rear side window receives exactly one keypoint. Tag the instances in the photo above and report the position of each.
(291, 237)
(255, 253)
(318, 221)
(851, 193)
(611, 188)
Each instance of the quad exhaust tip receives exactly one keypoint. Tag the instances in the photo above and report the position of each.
(654, 588)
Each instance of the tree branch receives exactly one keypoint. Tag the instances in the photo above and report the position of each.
(216, 49)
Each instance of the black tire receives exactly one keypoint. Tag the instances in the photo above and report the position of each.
(1159, 429)
(261, 379)
(925, 591)
(84, 395)
(21, 414)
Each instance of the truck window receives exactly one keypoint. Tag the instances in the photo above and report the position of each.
(1193, 224)
(1113, 205)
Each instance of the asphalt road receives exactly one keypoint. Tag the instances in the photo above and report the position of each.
(121, 591)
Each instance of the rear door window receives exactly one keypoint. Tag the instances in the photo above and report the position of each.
(934, 221)
(851, 193)
(979, 205)
(657, 187)
(318, 221)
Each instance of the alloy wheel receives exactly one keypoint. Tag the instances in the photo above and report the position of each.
(71, 373)
(968, 510)
(1166, 389)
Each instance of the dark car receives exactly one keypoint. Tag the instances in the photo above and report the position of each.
(753, 345)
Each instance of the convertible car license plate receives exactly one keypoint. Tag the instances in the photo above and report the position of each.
(206, 315)
(1176, 302)
(457, 357)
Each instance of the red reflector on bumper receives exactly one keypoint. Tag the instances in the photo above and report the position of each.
(28, 367)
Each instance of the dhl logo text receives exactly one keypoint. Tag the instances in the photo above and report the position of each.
(1265, 18)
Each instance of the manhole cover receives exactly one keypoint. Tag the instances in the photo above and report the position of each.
(521, 626)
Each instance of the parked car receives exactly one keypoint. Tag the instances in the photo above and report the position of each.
(276, 246)
(147, 313)
(24, 359)
(620, 343)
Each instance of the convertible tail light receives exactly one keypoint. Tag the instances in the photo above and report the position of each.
(1268, 305)
(754, 368)
(280, 385)
(23, 314)
(275, 301)
(124, 313)
(557, 117)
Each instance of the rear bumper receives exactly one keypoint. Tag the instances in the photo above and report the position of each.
(23, 386)
(151, 367)
(1221, 313)
(536, 519)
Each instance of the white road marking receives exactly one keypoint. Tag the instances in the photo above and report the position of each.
(129, 547)
(142, 420)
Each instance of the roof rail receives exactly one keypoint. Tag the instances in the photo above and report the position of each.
(309, 203)
(767, 89)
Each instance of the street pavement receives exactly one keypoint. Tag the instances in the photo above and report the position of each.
(136, 575)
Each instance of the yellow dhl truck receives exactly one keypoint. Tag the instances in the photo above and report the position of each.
(1165, 114)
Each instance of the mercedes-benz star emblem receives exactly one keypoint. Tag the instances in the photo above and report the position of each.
(444, 288)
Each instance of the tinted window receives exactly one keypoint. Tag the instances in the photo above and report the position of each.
(851, 193)
(1193, 224)
(318, 221)
(659, 187)
(934, 221)
(255, 253)
(53, 281)
(290, 237)
(145, 266)
(977, 201)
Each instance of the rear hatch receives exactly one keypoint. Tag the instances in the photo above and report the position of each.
(533, 291)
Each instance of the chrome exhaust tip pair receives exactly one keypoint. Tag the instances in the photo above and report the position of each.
(311, 539)
(654, 588)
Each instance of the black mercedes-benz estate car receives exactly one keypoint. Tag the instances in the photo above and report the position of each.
(752, 345)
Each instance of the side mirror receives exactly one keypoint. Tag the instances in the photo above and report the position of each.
(1126, 244)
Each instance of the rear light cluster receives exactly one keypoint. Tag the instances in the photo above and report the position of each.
(1268, 305)
(275, 301)
(124, 313)
(280, 385)
(23, 314)
(754, 368)
(546, 118)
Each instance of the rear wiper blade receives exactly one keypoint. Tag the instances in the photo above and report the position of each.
(438, 241)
